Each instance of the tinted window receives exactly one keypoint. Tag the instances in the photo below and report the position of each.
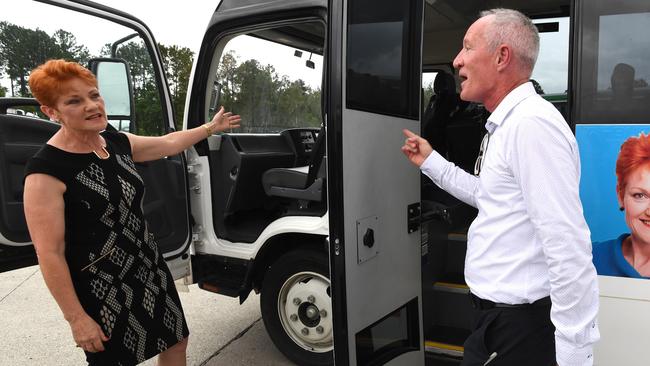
(550, 76)
(382, 68)
(552, 67)
(615, 63)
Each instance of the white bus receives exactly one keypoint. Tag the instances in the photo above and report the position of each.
(359, 260)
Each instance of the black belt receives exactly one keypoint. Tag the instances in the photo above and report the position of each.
(483, 304)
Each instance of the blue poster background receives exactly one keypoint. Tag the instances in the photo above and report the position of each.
(599, 146)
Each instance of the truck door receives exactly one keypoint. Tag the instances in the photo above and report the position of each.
(165, 204)
(374, 193)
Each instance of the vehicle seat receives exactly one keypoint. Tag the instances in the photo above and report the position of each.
(302, 183)
(437, 114)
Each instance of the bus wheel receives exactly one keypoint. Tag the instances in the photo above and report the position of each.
(297, 307)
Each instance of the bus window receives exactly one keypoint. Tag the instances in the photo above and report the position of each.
(428, 77)
(615, 64)
(273, 86)
(550, 75)
(375, 82)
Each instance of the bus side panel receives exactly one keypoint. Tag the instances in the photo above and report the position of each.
(624, 302)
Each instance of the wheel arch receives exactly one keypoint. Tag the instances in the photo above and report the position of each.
(275, 247)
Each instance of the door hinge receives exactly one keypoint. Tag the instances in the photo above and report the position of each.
(194, 180)
(196, 234)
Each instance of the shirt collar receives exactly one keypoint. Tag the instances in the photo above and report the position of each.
(513, 98)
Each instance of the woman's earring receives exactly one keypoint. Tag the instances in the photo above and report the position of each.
(621, 208)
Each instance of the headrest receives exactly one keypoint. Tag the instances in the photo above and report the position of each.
(444, 83)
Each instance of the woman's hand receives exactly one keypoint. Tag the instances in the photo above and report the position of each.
(88, 334)
(223, 121)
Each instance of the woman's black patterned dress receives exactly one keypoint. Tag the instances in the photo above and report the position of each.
(118, 274)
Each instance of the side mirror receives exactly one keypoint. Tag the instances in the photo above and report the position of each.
(114, 80)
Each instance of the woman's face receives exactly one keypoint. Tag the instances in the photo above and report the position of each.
(635, 199)
(81, 107)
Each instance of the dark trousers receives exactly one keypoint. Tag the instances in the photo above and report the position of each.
(520, 335)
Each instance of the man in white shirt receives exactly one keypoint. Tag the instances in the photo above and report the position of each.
(528, 263)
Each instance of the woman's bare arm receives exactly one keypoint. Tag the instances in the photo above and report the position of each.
(146, 148)
(44, 212)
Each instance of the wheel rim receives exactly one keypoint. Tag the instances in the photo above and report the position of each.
(305, 309)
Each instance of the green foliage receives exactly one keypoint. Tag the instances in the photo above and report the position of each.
(427, 94)
(146, 94)
(148, 112)
(22, 49)
(139, 61)
(68, 48)
(266, 101)
(178, 66)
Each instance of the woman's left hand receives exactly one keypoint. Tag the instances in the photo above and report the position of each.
(223, 121)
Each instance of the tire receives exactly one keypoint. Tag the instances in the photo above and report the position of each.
(296, 307)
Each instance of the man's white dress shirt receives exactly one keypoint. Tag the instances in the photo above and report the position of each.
(530, 238)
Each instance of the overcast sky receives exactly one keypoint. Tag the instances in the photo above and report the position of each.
(181, 23)
(192, 17)
(175, 22)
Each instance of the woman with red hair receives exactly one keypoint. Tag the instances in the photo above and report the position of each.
(83, 206)
(629, 254)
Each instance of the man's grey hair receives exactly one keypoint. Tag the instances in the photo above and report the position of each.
(515, 29)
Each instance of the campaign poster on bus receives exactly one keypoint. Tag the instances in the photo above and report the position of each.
(615, 193)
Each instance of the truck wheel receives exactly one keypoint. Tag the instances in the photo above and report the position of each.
(297, 307)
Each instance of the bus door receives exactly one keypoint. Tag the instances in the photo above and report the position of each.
(612, 104)
(374, 71)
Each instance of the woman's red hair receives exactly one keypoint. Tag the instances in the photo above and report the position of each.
(635, 153)
(47, 81)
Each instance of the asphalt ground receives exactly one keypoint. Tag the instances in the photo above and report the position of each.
(222, 332)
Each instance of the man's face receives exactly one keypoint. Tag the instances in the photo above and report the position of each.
(475, 64)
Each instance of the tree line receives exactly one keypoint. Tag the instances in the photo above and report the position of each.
(267, 101)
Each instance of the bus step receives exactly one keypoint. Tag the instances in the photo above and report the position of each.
(446, 340)
(443, 348)
(436, 359)
(457, 288)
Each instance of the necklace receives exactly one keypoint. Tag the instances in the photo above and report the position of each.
(106, 153)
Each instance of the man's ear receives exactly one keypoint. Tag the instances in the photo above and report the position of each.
(503, 56)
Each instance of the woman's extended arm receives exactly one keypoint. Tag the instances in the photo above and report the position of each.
(146, 148)
(44, 212)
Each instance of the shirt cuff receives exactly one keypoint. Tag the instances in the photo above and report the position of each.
(433, 166)
(568, 354)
